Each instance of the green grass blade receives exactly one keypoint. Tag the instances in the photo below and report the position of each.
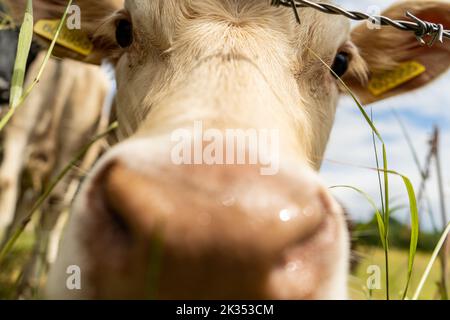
(414, 230)
(386, 218)
(380, 186)
(55, 38)
(408, 139)
(4, 121)
(381, 228)
(386, 190)
(414, 225)
(23, 49)
(433, 258)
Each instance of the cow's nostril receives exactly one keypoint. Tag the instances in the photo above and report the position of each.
(127, 196)
(117, 217)
(106, 201)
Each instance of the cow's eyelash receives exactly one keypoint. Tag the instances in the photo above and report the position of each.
(104, 37)
(357, 68)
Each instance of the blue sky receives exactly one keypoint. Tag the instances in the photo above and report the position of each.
(351, 142)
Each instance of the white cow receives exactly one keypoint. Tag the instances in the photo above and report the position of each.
(142, 221)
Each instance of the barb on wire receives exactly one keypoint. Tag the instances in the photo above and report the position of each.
(419, 27)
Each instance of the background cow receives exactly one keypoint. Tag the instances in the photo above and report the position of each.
(64, 111)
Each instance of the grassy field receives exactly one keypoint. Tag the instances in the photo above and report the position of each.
(11, 268)
(398, 273)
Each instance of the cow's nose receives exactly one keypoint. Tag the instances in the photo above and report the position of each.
(232, 205)
(223, 228)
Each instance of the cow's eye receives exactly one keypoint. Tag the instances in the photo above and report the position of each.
(124, 33)
(340, 64)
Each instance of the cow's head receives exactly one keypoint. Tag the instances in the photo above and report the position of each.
(142, 221)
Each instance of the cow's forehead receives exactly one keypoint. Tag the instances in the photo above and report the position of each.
(327, 28)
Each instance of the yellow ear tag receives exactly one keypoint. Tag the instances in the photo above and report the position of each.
(388, 80)
(75, 40)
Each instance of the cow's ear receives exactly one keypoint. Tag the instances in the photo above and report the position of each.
(396, 60)
(97, 26)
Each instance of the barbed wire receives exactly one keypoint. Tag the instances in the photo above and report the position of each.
(419, 27)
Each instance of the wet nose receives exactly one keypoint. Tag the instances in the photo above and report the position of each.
(232, 206)
(223, 228)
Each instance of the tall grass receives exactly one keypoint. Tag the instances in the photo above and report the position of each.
(425, 173)
(443, 284)
(385, 213)
(434, 256)
(23, 49)
(407, 183)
